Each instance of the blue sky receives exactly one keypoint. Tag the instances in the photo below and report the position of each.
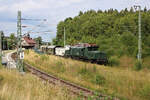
(54, 11)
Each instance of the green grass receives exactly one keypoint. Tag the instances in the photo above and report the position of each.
(124, 83)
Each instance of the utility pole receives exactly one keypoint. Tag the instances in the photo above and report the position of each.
(64, 36)
(139, 40)
(19, 46)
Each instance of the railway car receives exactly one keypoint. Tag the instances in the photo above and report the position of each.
(49, 49)
(43, 49)
(84, 51)
(60, 51)
(87, 52)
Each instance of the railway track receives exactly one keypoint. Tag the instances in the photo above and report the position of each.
(73, 88)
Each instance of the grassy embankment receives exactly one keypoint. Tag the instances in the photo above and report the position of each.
(14, 86)
(124, 83)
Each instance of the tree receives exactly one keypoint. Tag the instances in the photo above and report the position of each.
(38, 41)
(80, 13)
(145, 9)
(131, 10)
(12, 41)
(118, 29)
(130, 43)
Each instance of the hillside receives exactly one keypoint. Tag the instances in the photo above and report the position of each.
(115, 32)
(124, 83)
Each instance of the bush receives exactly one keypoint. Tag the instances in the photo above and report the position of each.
(94, 69)
(110, 52)
(120, 52)
(132, 50)
(26, 51)
(99, 79)
(0, 63)
(44, 57)
(114, 61)
(1, 78)
(128, 39)
(145, 92)
(138, 65)
(60, 67)
(86, 73)
(84, 70)
(0, 66)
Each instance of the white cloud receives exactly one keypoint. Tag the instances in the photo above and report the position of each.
(34, 5)
(8, 27)
(54, 10)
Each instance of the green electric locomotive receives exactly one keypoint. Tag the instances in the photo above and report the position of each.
(87, 52)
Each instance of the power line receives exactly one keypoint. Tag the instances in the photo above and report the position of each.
(34, 19)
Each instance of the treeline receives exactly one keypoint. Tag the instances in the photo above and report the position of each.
(116, 32)
(10, 42)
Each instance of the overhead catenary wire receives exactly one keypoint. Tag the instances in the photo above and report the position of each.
(39, 25)
(148, 4)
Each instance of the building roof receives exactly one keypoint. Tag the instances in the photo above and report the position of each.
(29, 40)
(85, 45)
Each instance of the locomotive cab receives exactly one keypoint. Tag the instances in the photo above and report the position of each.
(96, 56)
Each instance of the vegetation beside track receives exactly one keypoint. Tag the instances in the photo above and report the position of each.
(115, 32)
(14, 86)
(124, 83)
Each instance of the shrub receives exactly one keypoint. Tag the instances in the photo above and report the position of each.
(120, 52)
(43, 57)
(0, 66)
(26, 51)
(110, 52)
(114, 61)
(138, 65)
(1, 78)
(128, 39)
(36, 56)
(94, 69)
(0, 63)
(145, 91)
(86, 73)
(60, 67)
(99, 79)
(83, 70)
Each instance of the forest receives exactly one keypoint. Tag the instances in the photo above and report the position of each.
(115, 32)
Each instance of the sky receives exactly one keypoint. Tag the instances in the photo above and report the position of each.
(54, 11)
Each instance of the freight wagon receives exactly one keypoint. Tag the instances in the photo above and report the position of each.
(60, 51)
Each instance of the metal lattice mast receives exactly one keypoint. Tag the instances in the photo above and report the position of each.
(139, 40)
(64, 36)
(19, 46)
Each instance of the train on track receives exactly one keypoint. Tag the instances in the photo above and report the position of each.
(82, 51)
